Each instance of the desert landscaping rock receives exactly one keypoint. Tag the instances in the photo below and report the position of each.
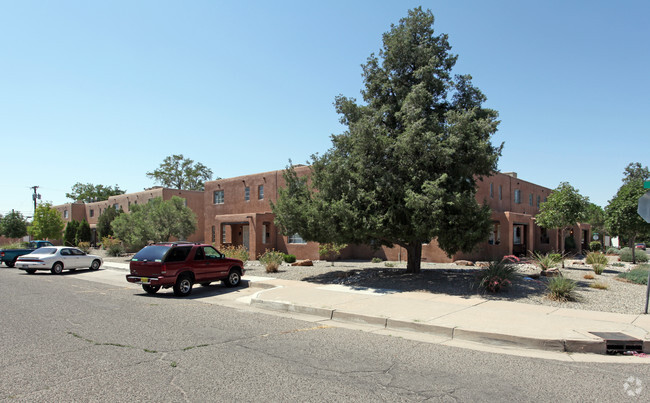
(452, 279)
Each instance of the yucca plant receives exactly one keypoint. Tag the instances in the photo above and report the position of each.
(561, 289)
(546, 260)
(497, 276)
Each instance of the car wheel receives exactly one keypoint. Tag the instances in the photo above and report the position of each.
(205, 284)
(57, 268)
(234, 278)
(11, 264)
(150, 289)
(30, 271)
(183, 286)
(95, 265)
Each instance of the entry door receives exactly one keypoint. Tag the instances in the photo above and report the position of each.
(246, 236)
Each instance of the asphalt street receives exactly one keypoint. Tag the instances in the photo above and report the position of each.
(65, 338)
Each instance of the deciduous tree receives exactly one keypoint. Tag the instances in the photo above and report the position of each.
(179, 172)
(87, 192)
(564, 208)
(155, 221)
(621, 215)
(405, 170)
(47, 223)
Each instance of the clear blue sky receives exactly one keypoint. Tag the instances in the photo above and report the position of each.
(102, 91)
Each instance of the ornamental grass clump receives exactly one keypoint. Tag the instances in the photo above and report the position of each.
(271, 259)
(497, 276)
(596, 258)
(598, 268)
(561, 289)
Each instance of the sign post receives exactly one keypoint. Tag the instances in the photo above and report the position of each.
(644, 212)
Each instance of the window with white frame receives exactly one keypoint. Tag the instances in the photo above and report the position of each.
(223, 233)
(218, 197)
(295, 238)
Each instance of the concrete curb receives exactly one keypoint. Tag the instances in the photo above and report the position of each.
(450, 332)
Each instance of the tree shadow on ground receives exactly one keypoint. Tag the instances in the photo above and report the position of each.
(457, 282)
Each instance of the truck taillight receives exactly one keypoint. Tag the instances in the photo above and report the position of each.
(2, 254)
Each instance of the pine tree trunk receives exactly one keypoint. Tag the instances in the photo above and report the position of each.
(414, 256)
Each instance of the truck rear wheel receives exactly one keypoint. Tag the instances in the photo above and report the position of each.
(12, 263)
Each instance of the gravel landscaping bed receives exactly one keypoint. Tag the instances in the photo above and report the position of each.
(451, 279)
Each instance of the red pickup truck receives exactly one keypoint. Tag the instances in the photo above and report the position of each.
(181, 265)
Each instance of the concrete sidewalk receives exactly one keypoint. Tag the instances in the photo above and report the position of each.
(475, 319)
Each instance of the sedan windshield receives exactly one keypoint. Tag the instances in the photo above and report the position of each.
(44, 251)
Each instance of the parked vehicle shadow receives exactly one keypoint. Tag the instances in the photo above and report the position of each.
(198, 291)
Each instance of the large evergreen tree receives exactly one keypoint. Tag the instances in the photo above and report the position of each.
(405, 170)
(13, 225)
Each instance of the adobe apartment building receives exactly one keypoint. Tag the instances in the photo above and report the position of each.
(91, 211)
(238, 212)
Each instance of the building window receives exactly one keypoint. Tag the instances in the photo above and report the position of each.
(260, 192)
(517, 196)
(65, 213)
(223, 233)
(295, 238)
(264, 232)
(538, 200)
(530, 199)
(92, 212)
(500, 192)
(247, 193)
(116, 206)
(544, 238)
(218, 197)
(495, 235)
(214, 234)
(491, 190)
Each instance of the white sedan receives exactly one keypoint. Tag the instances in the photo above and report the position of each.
(56, 259)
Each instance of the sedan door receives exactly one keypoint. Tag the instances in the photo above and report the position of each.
(68, 259)
(82, 260)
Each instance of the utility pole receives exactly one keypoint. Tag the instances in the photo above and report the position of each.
(35, 197)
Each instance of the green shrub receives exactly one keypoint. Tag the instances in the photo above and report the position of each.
(331, 251)
(613, 251)
(495, 277)
(617, 264)
(595, 246)
(376, 260)
(637, 276)
(14, 245)
(546, 261)
(289, 258)
(236, 252)
(596, 258)
(561, 289)
(84, 246)
(626, 255)
(598, 268)
(113, 246)
(389, 264)
(271, 259)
